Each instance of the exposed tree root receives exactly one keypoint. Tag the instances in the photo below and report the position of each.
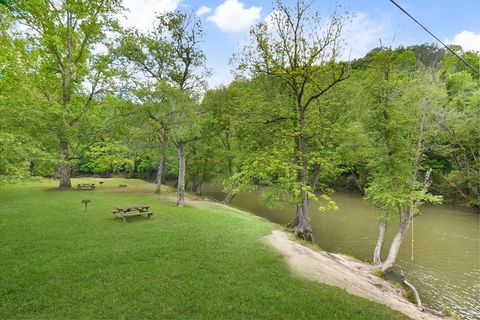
(415, 292)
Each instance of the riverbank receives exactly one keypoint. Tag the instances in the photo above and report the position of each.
(342, 271)
(446, 278)
(203, 261)
(345, 272)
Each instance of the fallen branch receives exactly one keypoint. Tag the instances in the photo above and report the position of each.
(415, 292)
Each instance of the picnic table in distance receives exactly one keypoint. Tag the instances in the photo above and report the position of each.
(132, 210)
(86, 186)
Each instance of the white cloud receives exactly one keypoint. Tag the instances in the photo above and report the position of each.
(362, 34)
(232, 16)
(469, 41)
(142, 13)
(203, 10)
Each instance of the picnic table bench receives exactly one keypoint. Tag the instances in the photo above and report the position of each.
(130, 211)
(86, 186)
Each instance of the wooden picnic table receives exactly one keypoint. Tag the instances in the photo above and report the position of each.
(132, 210)
(86, 186)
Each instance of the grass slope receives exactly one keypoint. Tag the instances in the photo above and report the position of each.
(61, 262)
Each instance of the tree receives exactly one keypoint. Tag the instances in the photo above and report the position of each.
(459, 137)
(25, 136)
(170, 56)
(225, 112)
(289, 47)
(398, 120)
(67, 32)
(151, 56)
(186, 33)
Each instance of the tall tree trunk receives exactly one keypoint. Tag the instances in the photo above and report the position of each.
(303, 228)
(161, 167)
(31, 167)
(201, 177)
(229, 197)
(161, 164)
(64, 167)
(181, 175)
(397, 241)
(377, 253)
(198, 191)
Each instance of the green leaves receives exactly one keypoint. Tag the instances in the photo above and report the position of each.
(105, 158)
(399, 99)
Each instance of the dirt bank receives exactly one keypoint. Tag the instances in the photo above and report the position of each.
(342, 271)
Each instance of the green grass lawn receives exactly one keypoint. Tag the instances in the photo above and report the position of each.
(61, 262)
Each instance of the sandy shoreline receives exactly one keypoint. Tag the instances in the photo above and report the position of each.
(344, 272)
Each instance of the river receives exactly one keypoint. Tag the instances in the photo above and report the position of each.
(446, 260)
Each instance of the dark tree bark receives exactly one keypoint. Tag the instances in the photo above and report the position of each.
(31, 168)
(302, 228)
(197, 187)
(197, 184)
(161, 164)
(357, 182)
(64, 167)
(161, 168)
(194, 187)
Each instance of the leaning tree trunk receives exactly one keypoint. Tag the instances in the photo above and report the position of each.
(397, 241)
(64, 167)
(181, 175)
(229, 197)
(377, 253)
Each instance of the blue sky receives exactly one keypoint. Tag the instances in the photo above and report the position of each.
(226, 24)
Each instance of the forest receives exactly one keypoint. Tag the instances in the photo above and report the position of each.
(81, 96)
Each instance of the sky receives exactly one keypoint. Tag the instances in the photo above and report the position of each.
(226, 24)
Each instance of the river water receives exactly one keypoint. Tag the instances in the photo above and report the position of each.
(446, 260)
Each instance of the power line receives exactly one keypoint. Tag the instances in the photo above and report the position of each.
(424, 28)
